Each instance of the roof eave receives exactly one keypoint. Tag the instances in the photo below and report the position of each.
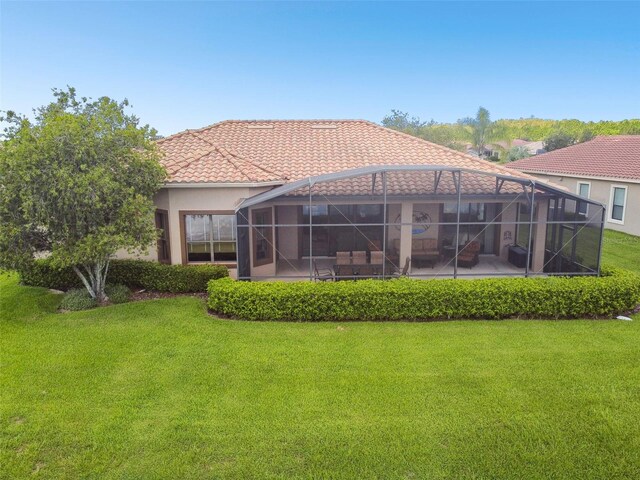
(223, 184)
(577, 175)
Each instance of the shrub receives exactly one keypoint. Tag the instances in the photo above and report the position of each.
(118, 293)
(132, 273)
(77, 299)
(407, 299)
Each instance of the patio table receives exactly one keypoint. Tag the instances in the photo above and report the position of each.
(358, 270)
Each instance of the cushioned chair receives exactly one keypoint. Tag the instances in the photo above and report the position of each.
(377, 258)
(425, 246)
(468, 256)
(343, 258)
(359, 257)
(419, 246)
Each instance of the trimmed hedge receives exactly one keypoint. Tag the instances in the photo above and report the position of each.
(132, 273)
(409, 299)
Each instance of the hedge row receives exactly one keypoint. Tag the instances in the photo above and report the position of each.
(408, 299)
(132, 273)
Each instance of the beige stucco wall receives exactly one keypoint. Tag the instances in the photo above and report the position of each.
(600, 191)
(175, 200)
(287, 237)
(269, 269)
(507, 230)
(161, 200)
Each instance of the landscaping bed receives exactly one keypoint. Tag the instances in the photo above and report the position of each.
(135, 274)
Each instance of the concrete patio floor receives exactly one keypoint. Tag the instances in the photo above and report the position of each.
(488, 266)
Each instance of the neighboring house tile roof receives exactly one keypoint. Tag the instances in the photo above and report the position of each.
(611, 157)
(274, 151)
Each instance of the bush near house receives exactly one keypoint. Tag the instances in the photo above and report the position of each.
(77, 299)
(406, 299)
(132, 273)
(117, 293)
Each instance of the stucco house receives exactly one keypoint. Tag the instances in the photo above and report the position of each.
(291, 199)
(605, 169)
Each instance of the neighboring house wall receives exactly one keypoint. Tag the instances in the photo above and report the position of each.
(600, 191)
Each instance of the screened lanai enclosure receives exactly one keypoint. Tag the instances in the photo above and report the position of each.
(419, 221)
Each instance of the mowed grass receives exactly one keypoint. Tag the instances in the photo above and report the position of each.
(621, 250)
(160, 389)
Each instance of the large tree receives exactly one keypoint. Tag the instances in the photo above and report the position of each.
(399, 120)
(76, 184)
(481, 129)
(558, 140)
(516, 153)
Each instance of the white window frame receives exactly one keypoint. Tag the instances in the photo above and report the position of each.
(624, 206)
(586, 213)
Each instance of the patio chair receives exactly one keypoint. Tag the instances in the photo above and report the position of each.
(343, 258)
(377, 257)
(468, 256)
(405, 269)
(359, 257)
(322, 274)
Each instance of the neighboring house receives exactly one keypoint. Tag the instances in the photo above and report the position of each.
(280, 199)
(605, 169)
(495, 149)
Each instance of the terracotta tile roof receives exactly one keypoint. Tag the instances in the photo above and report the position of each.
(412, 183)
(283, 150)
(615, 157)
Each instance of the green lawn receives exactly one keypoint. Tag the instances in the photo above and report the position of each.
(621, 250)
(159, 389)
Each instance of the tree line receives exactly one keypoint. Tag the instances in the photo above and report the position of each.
(480, 131)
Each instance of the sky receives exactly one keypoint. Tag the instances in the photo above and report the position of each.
(187, 65)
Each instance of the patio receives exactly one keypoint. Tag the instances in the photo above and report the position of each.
(348, 222)
(488, 266)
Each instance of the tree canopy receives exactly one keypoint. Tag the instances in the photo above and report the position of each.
(77, 184)
(481, 129)
(454, 135)
(558, 140)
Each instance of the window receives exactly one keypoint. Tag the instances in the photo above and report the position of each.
(210, 237)
(162, 223)
(469, 212)
(262, 237)
(583, 191)
(618, 201)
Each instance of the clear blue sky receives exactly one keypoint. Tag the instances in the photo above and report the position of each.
(187, 65)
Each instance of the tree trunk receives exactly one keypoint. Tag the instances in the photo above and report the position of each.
(95, 279)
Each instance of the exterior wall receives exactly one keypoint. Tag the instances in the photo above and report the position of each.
(539, 236)
(600, 191)
(195, 199)
(161, 200)
(507, 229)
(433, 210)
(287, 239)
(269, 269)
(177, 199)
